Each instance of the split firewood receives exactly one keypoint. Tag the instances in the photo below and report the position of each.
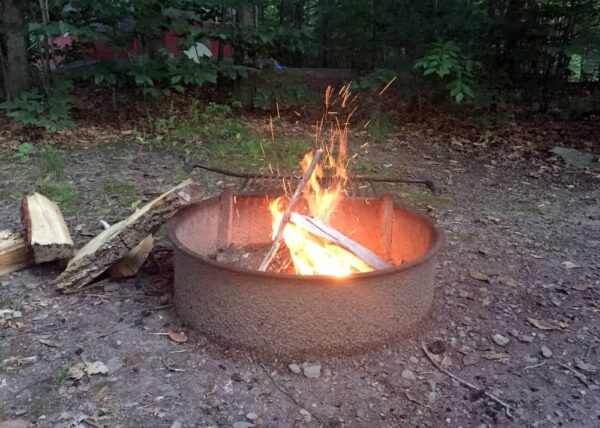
(15, 254)
(47, 232)
(322, 230)
(115, 242)
(130, 265)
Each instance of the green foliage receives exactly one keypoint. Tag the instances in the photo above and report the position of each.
(376, 80)
(50, 111)
(446, 59)
(164, 125)
(274, 89)
(23, 151)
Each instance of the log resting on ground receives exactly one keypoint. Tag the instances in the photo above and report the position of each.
(115, 242)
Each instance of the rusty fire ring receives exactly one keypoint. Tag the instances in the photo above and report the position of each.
(298, 316)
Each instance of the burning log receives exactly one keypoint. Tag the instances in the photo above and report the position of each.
(15, 254)
(288, 212)
(47, 233)
(118, 240)
(322, 230)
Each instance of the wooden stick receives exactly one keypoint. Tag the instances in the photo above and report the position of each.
(507, 407)
(322, 230)
(288, 211)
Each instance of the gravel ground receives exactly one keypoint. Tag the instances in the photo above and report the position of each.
(515, 314)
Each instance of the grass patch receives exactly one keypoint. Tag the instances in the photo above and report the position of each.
(121, 190)
(52, 162)
(64, 195)
(380, 127)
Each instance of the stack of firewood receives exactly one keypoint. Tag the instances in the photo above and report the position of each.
(119, 251)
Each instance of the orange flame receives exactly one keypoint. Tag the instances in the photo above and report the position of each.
(312, 255)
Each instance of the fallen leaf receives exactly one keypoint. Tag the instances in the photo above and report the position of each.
(49, 343)
(178, 336)
(479, 276)
(96, 367)
(542, 325)
(77, 371)
(497, 356)
(569, 265)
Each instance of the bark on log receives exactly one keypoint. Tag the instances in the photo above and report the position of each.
(15, 254)
(47, 232)
(115, 242)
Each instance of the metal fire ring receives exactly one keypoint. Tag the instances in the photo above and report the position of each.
(295, 316)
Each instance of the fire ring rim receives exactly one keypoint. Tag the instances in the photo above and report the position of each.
(439, 239)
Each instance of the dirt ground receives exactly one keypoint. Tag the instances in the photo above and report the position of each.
(516, 312)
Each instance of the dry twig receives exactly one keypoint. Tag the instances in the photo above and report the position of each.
(507, 407)
(288, 211)
(165, 360)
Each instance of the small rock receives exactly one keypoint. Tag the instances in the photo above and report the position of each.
(251, 417)
(312, 371)
(306, 414)
(41, 317)
(176, 424)
(15, 423)
(243, 425)
(500, 340)
(546, 352)
(437, 347)
(525, 338)
(111, 286)
(236, 377)
(408, 375)
(531, 360)
(114, 364)
(163, 299)
(295, 368)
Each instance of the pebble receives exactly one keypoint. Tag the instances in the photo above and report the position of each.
(252, 417)
(295, 368)
(546, 352)
(531, 360)
(312, 371)
(437, 347)
(243, 425)
(306, 414)
(114, 364)
(526, 339)
(408, 375)
(500, 340)
(176, 424)
(112, 286)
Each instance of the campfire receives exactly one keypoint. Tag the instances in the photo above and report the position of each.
(316, 268)
(314, 247)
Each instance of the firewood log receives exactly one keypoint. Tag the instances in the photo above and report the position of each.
(47, 232)
(119, 239)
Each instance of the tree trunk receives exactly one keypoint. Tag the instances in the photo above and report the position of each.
(17, 76)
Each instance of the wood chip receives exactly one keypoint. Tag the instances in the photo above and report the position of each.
(479, 276)
(178, 336)
(542, 325)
